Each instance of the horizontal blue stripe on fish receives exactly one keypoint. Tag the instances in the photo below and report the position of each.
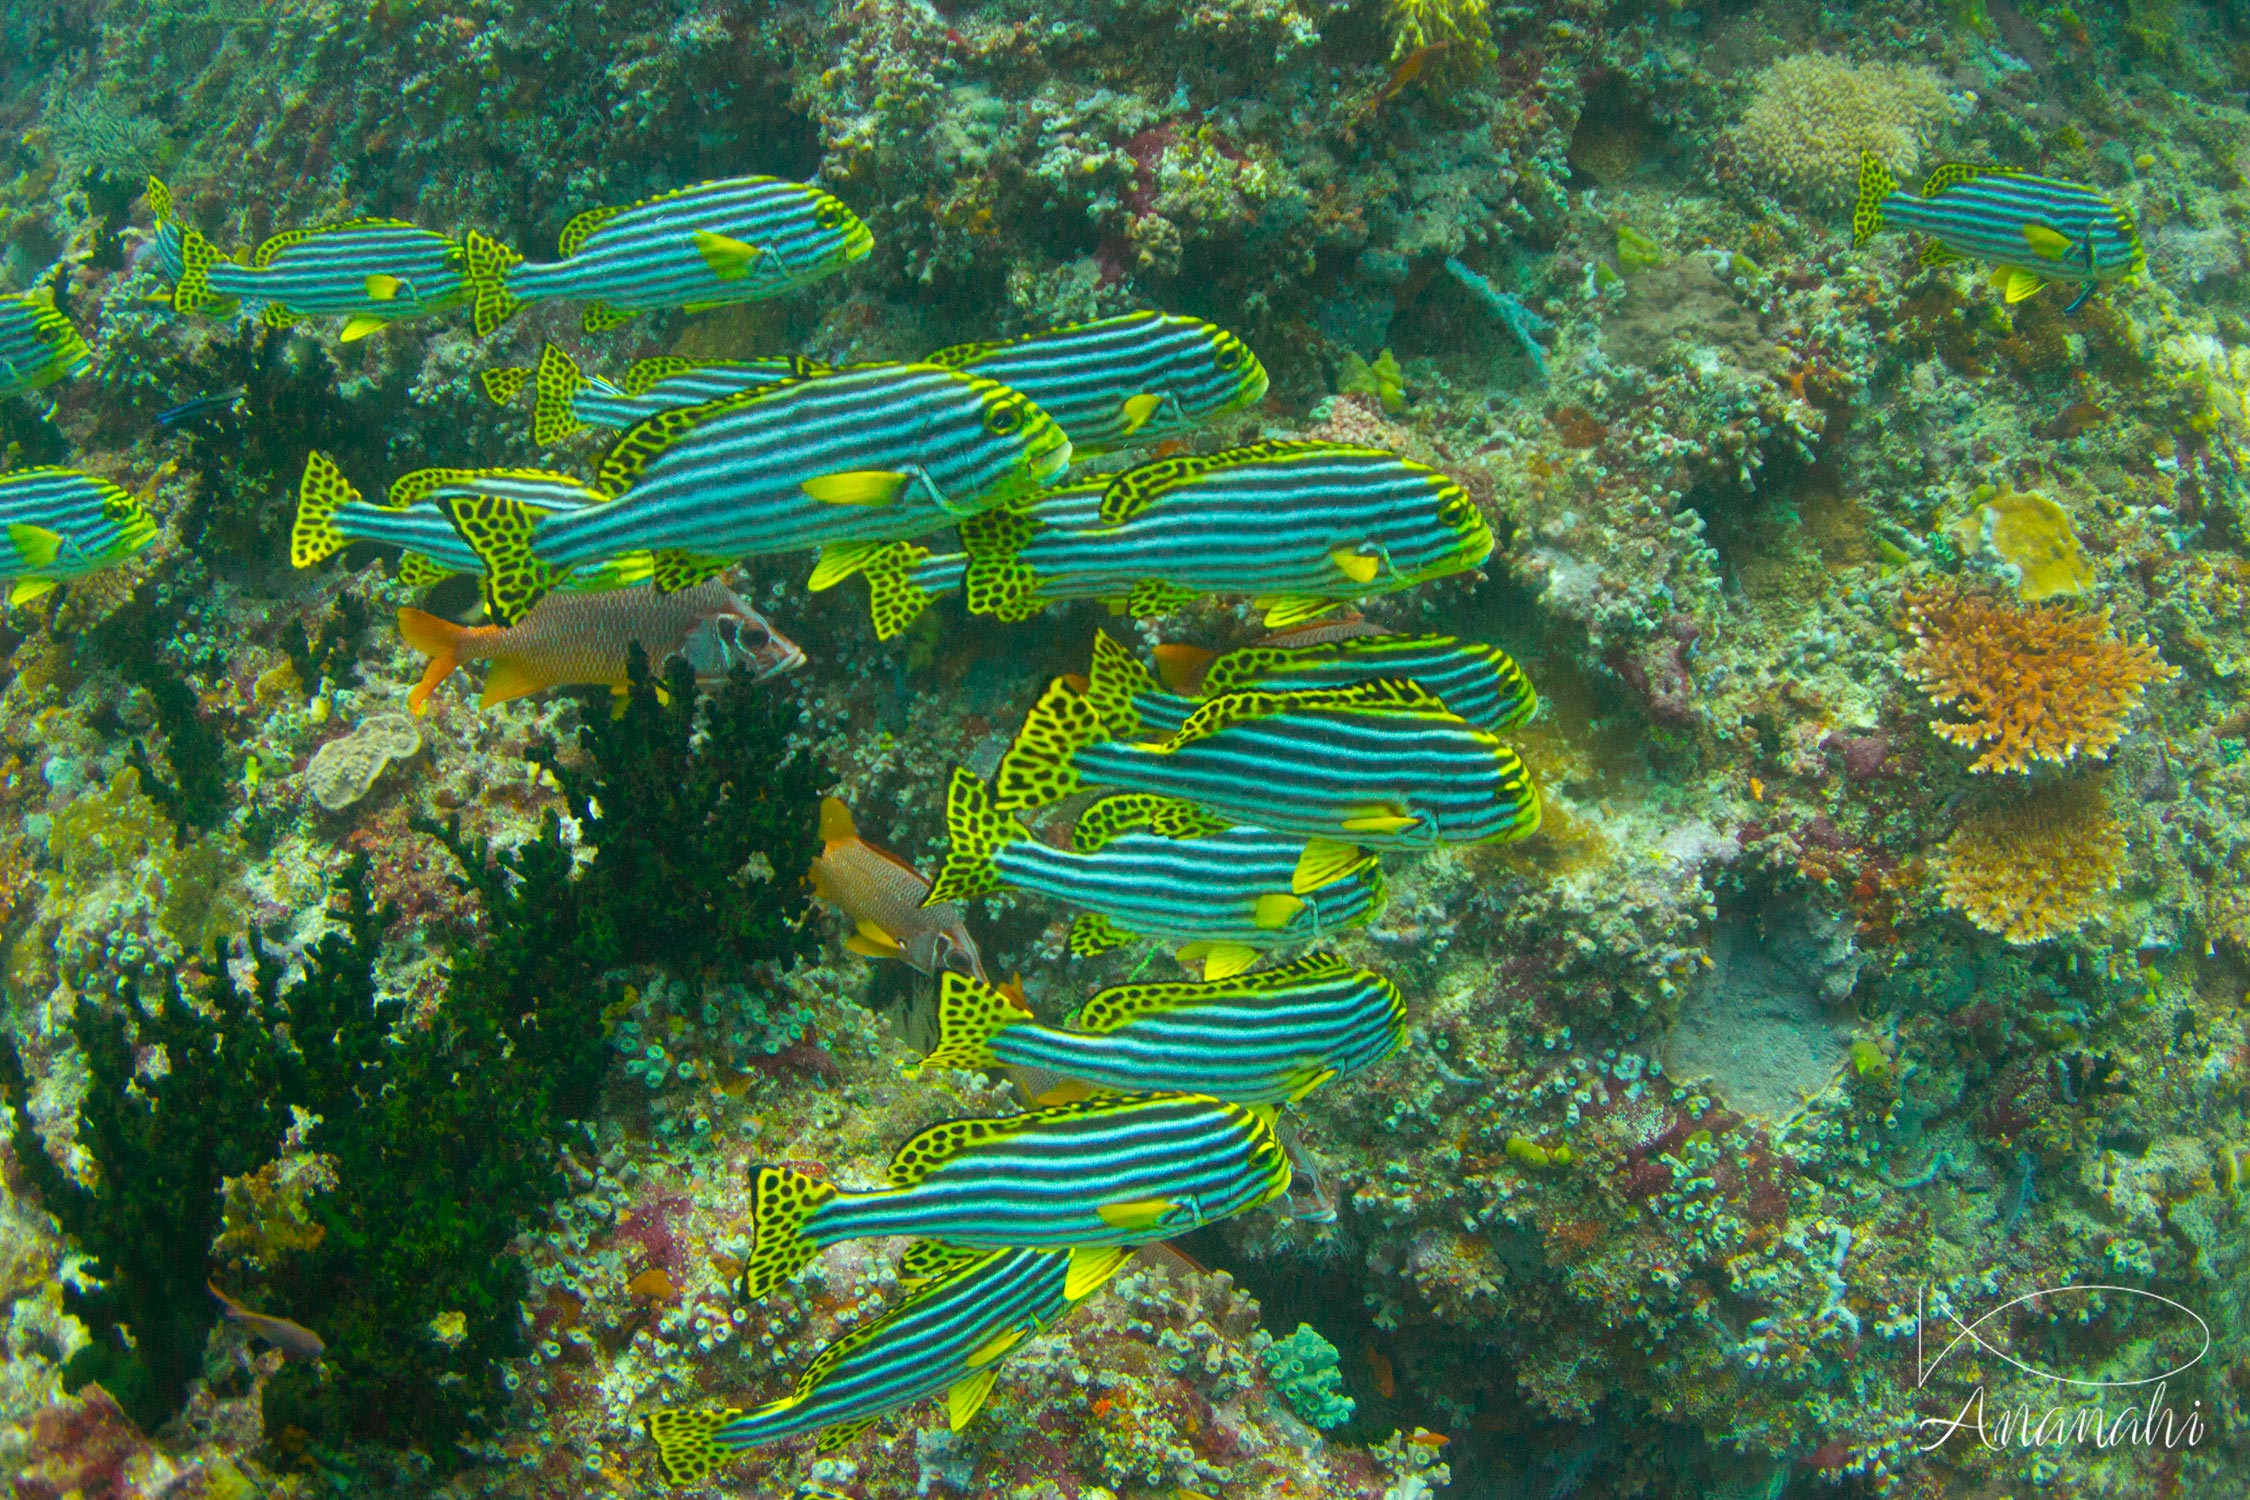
(567, 400)
(376, 270)
(58, 524)
(38, 346)
(2040, 228)
(1480, 683)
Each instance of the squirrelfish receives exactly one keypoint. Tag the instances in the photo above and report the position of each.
(369, 272)
(883, 896)
(1480, 683)
(565, 399)
(1266, 1037)
(587, 638)
(1133, 379)
(736, 239)
(62, 524)
(1299, 527)
(966, 1310)
(1382, 763)
(2034, 229)
(1144, 866)
(1082, 1177)
(845, 462)
(38, 346)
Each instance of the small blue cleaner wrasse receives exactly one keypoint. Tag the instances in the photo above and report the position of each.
(1126, 381)
(1383, 764)
(966, 1310)
(565, 399)
(38, 346)
(61, 524)
(737, 239)
(845, 462)
(1480, 683)
(368, 271)
(1267, 1037)
(2032, 230)
(1152, 867)
(1087, 1177)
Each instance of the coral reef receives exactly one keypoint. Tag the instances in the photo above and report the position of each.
(2032, 867)
(343, 770)
(1811, 115)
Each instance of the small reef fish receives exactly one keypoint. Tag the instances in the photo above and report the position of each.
(565, 399)
(197, 408)
(587, 638)
(2033, 229)
(1129, 380)
(1480, 683)
(1311, 1198)
(948, 1334)
(1267, 1037)
(1145, 866)
(294, 1340)
(331, 515)
(38, 346)
(1382, 763)
(737, 239)
(1084, 1177)
(846, 462)
(369, 272)
(884, 897)
(1300, 527)
(62, 524)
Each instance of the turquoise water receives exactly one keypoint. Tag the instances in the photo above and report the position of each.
(1252, 750)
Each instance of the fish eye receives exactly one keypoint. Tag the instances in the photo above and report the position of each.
(1232, 356)
(1002, 418)
(957, 962)
(830, 214)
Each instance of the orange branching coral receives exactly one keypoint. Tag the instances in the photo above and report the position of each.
(2036, 867)
(2045, 682)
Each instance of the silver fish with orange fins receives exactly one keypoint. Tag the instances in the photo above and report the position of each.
(882, 895)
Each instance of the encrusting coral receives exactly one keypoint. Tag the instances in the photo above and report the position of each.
(2044, 683)
(1811, 115)
(2034, 868)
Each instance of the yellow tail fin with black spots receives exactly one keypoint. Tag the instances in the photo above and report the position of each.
(975, 831)
(485, 267)
(781, 1200)
(321, 493)
(1875, 184)
(687, 1445)
(554, 414)
(970, 1014)
(1041, 766)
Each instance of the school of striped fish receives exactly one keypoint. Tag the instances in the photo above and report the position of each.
(1244, 799)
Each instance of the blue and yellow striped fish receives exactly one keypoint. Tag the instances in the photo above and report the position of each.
(736, 239)
(331, 515)
(1480, 683)
(565, 399)
(948, 1334)
(369, 272)
(1083, 1177)
(1382, 763)
(38, 346)
(1143, 866)
(61, 524)
(1267, 1037)
(1300, 527)
(2033, 229)
(846, 462)
(1117, 382)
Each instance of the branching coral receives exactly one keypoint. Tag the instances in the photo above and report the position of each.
(1459, 26)
(2041, 683)
(1811, 115)
(2032, 869)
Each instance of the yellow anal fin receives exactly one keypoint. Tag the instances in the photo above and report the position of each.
(1219, 960)
(857, 487)
(1284, 610)
(359, 326)
(966, 1398)
(1938, 253)
(1357, 566)
(1323, 860)
(729, 259)
(1136, 1214)
(1272, 911)
(840, 560)
(24, 590)
(1137, 410)
(1312, 1081)
(1090, 1266)
(2020, 286)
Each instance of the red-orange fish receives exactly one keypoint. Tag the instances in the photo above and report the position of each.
(573, 638)
(882, 895)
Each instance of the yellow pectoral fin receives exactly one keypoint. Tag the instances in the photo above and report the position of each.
(1136, 1214)
(1274, 909)
(729, 259)
(1137, 410)
(1379, 823)
(383, 288)
(1285, 610)
(1323, 860)
(966, 1398)
(1225, 960)
(359, 326)
(1090, 1266)
(2020, 286)
(857, 487)
(1357, 566)
(36, 546)
(2046, 243)
(24, 590)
